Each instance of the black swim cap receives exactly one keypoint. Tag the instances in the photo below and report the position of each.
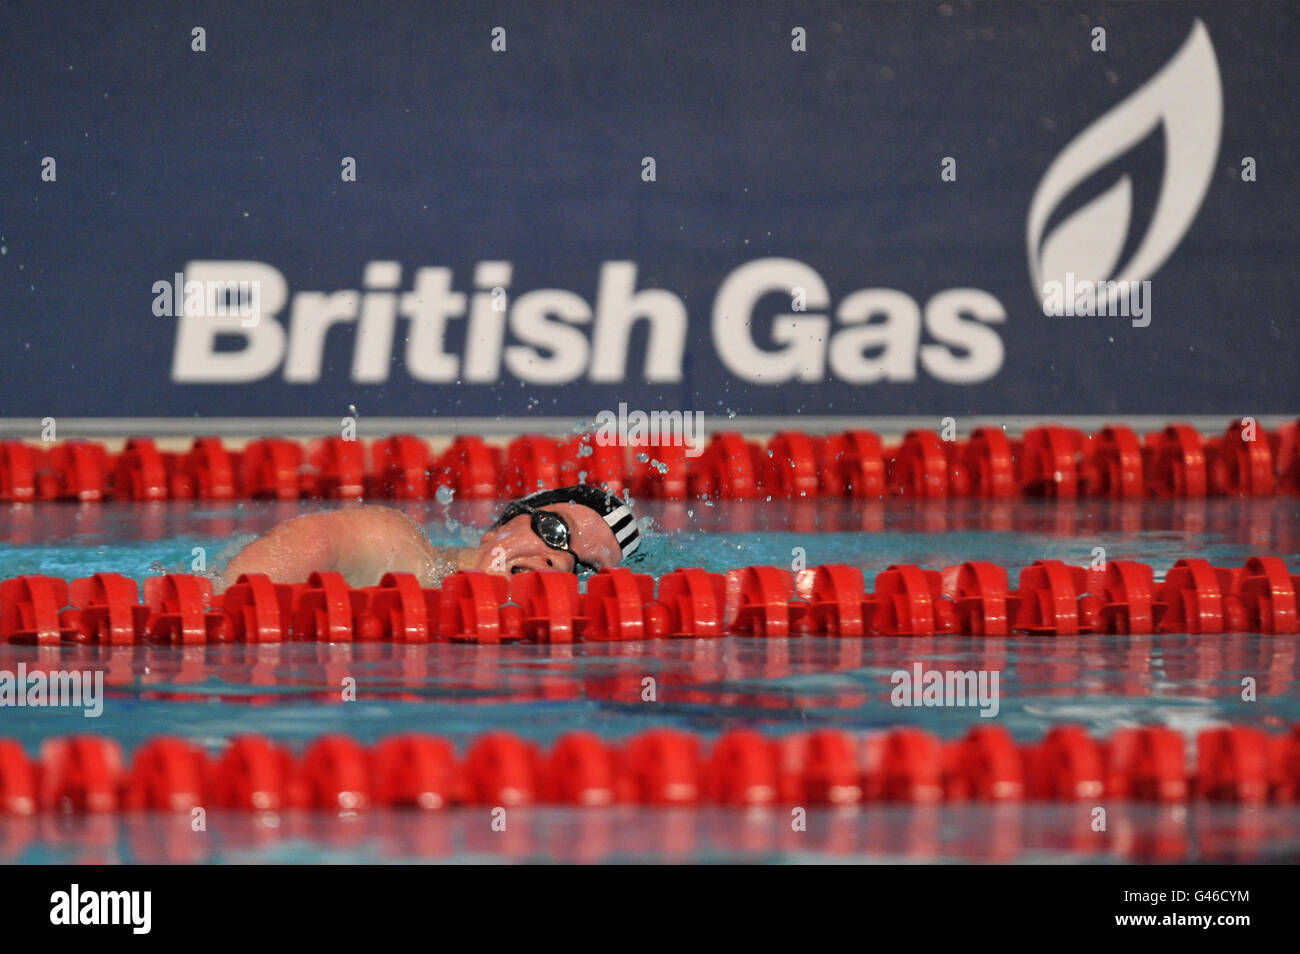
(614, 510)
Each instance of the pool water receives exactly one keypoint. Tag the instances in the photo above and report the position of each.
(293, 691)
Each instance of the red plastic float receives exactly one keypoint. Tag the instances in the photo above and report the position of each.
(532, 463)
(340, 469)
(325, 609)
(985, 765)
(501, 770)
(1177, 465)
(181, 607)
(80, 471)
(336, 774)
(470, 468)
(837, 606)
(1242, 462)
(109, 610)
(693, 602)
(616, 607)
(1047, 603)
(586, 460)
(1067, 766)
(271, 468)
(989, 463)
(728, 468)
(859, 463)
(1268, 594)
(663, 768)
(140, 472)
(18, 787)
(1147, 765)
(416, 771)
(981, 599)
(742, 769)
(1192, 600)
(401, 467)
(253, 774)
(659, 475)
(81, 773)
(470, 608)
(1128, 598)
(400, 610)
(259, 610)
(581, 771)
(1116, 466)
(1232, 765)
(792, 465)
(765, 594)
(549, 604)
(1049, 461)
(166, 774)
(29, 610)
(208, 471)
(919, 468)
(908, 768)
(18, 468)
(909, 601)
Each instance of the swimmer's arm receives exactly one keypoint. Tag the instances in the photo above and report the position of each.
(362, 543)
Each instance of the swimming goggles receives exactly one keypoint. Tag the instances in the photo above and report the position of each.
(551, 529)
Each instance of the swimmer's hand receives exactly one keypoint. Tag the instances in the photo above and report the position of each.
(362, 543)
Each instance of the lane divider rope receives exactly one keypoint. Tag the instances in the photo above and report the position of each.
(88, 774)
(1046, 461)
(1052, 598)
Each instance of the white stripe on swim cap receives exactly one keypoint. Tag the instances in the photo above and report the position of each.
(623, 522)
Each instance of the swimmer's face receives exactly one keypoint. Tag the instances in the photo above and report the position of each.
(513, 547)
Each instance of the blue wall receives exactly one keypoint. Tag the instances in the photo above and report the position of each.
(829, 158)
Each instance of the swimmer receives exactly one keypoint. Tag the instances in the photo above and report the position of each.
(570, 529)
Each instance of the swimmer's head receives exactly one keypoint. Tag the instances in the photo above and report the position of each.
(570, 529)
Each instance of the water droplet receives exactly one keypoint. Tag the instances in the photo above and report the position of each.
(444, 495)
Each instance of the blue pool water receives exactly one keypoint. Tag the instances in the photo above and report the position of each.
(292, 691)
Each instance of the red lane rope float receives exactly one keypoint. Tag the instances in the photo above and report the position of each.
(1048, 461)
(88, 774)
(973, 599)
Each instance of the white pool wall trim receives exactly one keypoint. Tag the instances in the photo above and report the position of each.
(110, 428)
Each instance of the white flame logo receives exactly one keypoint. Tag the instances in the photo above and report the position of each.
(1187, 98)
